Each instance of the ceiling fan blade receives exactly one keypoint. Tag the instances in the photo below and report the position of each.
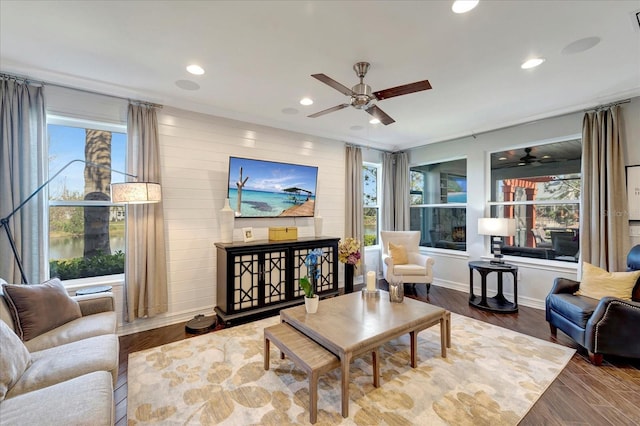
(331, 82)
(328, 110)
(380, 115)
(402, 90)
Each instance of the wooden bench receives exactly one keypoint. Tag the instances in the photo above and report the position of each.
(305, 353)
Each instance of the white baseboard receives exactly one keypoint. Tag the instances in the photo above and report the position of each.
(145, 324)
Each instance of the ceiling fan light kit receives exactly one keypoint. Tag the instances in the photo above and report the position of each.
(362, 97)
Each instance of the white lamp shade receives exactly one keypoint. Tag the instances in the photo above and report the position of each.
(136, 193)
(498, 227)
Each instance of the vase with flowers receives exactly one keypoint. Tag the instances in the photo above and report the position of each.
(349, 254)
(308, 282)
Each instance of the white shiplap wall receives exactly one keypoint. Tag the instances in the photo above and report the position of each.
(194, 150)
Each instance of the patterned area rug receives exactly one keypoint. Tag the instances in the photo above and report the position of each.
(491, 376)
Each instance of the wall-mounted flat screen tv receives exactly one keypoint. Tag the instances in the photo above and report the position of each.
(258, 188)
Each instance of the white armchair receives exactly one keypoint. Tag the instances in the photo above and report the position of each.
(419, 267)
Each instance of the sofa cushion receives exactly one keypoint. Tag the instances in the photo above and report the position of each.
(598, 283)
(576, 309)
(85, 400)
(39, 308)
(65, 362)
(398, 253)
(14, 359)
(78, 329)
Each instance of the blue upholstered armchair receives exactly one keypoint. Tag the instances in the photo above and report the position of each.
(605, 326)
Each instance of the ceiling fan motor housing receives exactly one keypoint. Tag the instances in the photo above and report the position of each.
(362, 98)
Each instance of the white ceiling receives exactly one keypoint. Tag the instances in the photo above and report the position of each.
(259, 56)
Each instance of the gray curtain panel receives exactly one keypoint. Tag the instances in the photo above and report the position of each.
(22, 171)
(401, 192)
(146, 266)
(604, 226)
(354, 220)
(395, 192)
(387, 222)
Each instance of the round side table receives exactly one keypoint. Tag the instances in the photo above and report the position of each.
(497, 303)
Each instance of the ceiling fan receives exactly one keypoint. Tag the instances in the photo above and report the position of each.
(528, 158)
(361, 96)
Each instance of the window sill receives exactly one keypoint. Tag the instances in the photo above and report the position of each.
(531, 262)
(445, 252)
(77, 284)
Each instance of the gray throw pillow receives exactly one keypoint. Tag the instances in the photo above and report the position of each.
(14, 359)
(38, 308)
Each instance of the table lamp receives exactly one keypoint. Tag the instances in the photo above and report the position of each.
(496, 228)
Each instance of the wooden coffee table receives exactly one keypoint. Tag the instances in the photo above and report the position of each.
(350, 325)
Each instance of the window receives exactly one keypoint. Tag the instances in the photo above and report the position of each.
(438, 204)
(371, 188)
(86, 231)
(540, 187)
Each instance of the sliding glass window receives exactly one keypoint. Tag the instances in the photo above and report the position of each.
(439, 204)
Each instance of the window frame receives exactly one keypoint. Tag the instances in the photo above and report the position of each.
(494, 206)
(377, 206)
(453, 205)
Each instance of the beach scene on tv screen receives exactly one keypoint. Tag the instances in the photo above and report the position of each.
(270, 189)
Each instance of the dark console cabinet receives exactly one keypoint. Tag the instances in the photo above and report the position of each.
(262, 276)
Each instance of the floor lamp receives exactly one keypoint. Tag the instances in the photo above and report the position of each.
(121, 193)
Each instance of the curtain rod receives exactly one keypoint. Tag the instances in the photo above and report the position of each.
(355, 145)
(609, 105)
(62, 86)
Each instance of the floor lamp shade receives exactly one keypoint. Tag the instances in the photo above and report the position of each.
(136, 193)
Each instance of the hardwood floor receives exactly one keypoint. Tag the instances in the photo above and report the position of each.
(581, 395)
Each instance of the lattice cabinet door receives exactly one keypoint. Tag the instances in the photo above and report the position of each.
(274, 286)
(246, 281)
(326, 264)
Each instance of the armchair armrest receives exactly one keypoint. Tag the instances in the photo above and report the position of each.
(95, 303)
(421, 259)
(387, 260)
(611, 328)
(564, 285)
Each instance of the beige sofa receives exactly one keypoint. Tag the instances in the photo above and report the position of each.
(64, 376)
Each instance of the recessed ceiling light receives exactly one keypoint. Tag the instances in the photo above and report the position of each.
(306, 101)
(522, 164)
(531, 63)
(502, 158)
(374, 121)
(546, 156)
(195, 69)
(463, 6)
